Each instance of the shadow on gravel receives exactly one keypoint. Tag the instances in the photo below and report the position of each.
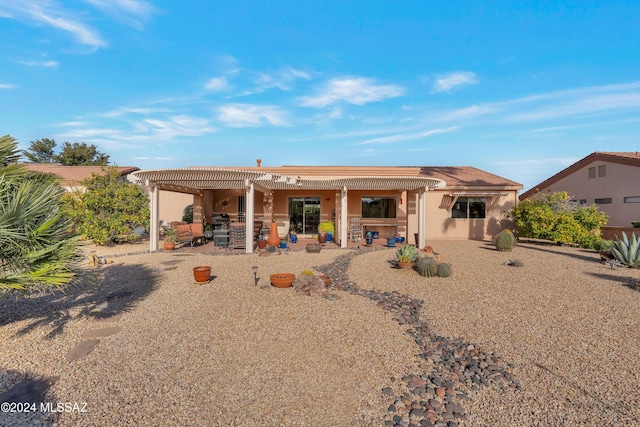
(24, 403)
(99, 293)
(629, 282)
(589, 255)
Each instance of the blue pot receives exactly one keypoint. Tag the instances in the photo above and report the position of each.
(376, 235)
(329, 237)
(391, 242)
(399, 239)
(283, 245)
(294, 239)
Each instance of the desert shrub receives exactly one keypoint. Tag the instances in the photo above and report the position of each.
(554, 216)
(187, 214)
(427, 266)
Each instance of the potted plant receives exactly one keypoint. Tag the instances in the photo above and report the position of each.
(406, 255)
(326, 229)
(169, 239)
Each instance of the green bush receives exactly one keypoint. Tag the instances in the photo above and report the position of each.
(555, 217)
(187, 214)
(108, 210)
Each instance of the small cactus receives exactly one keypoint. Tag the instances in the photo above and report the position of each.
(515, 263)
(444, 270)
(505, 241)
(427, 267)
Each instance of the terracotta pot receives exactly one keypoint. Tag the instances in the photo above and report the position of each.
(404, 264)
(282, 280)
(262, 243)
(313, 248)
(322, 238)
(169, 246)
(274, 239)
(202, 273)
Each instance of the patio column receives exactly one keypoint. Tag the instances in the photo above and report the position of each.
(250, 209)
(154, 221)
(422, 220)
(344, 237)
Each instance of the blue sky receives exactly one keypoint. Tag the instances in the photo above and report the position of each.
(521, 89)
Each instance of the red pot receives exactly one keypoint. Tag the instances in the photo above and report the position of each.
(202, 273)
(282, 280)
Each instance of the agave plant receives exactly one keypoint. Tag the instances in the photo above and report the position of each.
(627, 251)
(35, 248)
(407, 253)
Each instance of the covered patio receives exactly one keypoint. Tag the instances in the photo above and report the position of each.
(199, 181)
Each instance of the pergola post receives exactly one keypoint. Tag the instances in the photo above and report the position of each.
(344, 236)
(154, 221)
(250, 209)
(421, 217)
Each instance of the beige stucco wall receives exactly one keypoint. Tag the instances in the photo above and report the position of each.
(620, 181)
(440, 225)
(171, 205)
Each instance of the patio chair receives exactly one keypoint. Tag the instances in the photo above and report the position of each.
(355, 229)
(237, 236)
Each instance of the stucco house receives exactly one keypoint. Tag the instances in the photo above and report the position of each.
(431, 202)
(608, 179)
(72, 176)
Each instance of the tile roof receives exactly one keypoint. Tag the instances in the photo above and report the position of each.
(454, 176)
(630, 158)
(72, 175)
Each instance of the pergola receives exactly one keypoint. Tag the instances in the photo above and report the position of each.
(195, 180)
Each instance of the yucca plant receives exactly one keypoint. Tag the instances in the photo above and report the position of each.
(35, 248)
(626, 250)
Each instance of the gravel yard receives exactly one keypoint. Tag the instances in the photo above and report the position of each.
(561, 336)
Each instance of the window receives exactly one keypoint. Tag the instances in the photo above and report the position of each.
(634, 199)
(469, 207)
(592, 172)
(603, 201)
(378, 207)
(602, 171)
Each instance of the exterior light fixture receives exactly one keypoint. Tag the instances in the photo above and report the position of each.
(255, 274)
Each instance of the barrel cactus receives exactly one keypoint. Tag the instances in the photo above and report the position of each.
(444, 270)
(427, 266)
(505, 241)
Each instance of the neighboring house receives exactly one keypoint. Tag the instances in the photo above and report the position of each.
(608, 179)
(431, 202)
(71, 177)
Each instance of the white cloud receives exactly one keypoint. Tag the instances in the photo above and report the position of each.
(218, 84)
(50, 64)
(51, 14)
(357, 90)
(407, 136)
(131, 12)
(247, 115)
(447, 82)
(7, 86)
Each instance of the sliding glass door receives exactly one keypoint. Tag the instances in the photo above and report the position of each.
(304, 213)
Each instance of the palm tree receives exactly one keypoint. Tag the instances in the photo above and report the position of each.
(35, 247)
